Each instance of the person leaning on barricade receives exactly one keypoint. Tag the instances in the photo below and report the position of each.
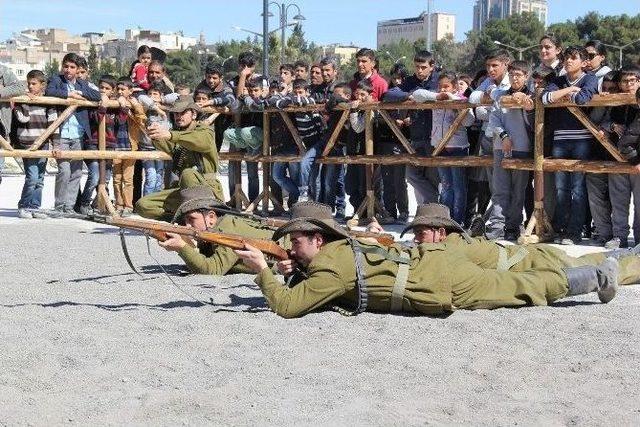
(429, 279)
(195, 159)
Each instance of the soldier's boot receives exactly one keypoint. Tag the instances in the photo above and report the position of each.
(623, 253)
(601, 278)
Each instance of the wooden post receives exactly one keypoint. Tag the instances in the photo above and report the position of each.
(595, 131)
(102, 182)
(542, 225)
(52, 128)
(450, 132)
(370, 198)
(294, 132)
(334, 134)
(396, 131)
(266, 166)
(5, 144)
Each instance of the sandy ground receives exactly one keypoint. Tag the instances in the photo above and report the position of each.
(84, 341)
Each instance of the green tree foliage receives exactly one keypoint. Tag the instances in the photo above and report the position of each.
(52, 68)
(92, 58)
(183, 67)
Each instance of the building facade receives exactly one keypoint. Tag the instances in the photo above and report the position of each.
(485, 10)
(413, 29)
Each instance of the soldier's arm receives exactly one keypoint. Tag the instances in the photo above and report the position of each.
(220, 263)
(199, 140)
(322, 286)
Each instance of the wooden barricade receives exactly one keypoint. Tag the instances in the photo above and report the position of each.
(538, 229)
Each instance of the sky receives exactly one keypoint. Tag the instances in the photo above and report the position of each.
(327, 21)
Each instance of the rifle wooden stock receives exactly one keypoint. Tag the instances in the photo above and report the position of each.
(159, 230)
(382, 238)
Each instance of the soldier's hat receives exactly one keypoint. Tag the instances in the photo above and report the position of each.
(311, 216)
(183, 103)
(196, 198)
(434, 215)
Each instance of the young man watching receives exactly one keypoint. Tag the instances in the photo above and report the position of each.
(425, 181)
(365, 62)
(73, 131)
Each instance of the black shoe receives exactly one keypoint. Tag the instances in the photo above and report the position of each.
(511, 236)
(477, 227)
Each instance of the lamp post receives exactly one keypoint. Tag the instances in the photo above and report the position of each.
(395, 61)
(520, 50)
(620, 49)
(283, 10)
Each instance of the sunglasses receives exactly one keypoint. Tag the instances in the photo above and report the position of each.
(591, 55)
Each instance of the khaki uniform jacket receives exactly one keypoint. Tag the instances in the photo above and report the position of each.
(199, 139)
(441, 278)
(221, 260)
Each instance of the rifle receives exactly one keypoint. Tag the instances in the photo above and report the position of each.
(158, 230)
(384, 239)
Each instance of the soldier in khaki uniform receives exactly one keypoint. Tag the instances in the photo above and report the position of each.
(195, 160)
(433, 224)
(201, 210)
(428, 279)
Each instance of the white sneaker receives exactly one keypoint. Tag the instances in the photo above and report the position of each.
(40, 215)
(24, 214)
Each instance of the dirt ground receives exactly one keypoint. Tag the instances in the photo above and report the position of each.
(85, 341)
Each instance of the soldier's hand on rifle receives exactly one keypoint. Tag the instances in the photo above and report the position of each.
(286, 267)
(252, 258)
(374, 226)
(157, 132)
(173, 243)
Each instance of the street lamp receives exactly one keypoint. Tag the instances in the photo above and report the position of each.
(395, 61)
(520, 50)
(621, 48)
(283, 9)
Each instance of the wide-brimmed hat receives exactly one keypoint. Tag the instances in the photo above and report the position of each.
(183, 103)
(434, 215)
(196, 198)
(311, 216)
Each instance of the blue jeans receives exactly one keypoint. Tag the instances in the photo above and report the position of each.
(332, 179)
(153, 176)
(289, 183)
(453, 181)
(93, 178)
(571, 188)
(34, 170)
(309, 170)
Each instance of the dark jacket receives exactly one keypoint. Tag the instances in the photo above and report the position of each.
(420, 128)
(57, 86)
(629, 143)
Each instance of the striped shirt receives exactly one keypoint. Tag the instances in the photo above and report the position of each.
(32, 121)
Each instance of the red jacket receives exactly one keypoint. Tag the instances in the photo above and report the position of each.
(380, 85)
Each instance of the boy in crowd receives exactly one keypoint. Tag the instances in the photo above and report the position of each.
(73, 131)
(355, 177)
(571, 140)
(9, 86)
(625, 126)
(424, 181)
(221, 95)
(286, 79)
(129, 124)
(496, 64)
(301, 70)
(310, 127)
(260, 86)
(510, 129)
(249, 136)
(107, 86)
(32, 121)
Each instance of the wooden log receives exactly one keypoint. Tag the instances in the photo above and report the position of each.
(610, 100)
(52, 127)
(293, 131)
(5, 144)
(88, 154)
(450, 132)
(397, 132)
(595, 131)
(405, 159)
(239, 155)
(266, 167)
(334, 134)
(368, 147)
(102, 180)
(569, 165)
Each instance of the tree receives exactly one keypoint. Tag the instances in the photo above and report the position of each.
(92, 59)
(183, 67)
(52, 68)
